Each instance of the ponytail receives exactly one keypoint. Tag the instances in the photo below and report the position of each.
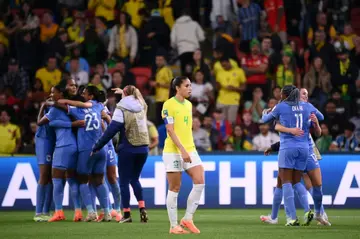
(176, 82)
(292, 94)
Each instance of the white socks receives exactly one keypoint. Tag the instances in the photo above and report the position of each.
(171, 205)
(193, 200)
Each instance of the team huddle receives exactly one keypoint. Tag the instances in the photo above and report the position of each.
(74, 144)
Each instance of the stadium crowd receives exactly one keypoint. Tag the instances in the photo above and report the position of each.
(238, 54)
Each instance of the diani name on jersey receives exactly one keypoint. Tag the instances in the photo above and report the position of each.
(297, 108)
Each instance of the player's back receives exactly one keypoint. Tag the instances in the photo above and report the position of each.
(92, 131)
(180, 115)
(64, 136)
(294, 116)
(46, 132)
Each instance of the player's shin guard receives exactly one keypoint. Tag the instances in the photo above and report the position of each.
(193, 200)
(40, 198)
(289, 202)
(115, 189)
(58, 193)
(278, 195)
(74, 192)
(302, 195)
(171, 205)
(317, 196)
(48, 198)
(103, 194)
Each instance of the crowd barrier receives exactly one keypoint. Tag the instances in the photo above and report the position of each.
(232, 181)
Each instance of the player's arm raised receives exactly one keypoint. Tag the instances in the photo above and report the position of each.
(75, 103)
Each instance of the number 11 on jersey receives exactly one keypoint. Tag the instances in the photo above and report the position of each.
(299, 120)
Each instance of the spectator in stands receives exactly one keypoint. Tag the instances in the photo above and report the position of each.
(298, 53)
(265, 30)
(276, 17)
(202, 94)
(323, 143)
(77, 30)
(356, 119)
(84, 65)
(266, 49)
(28, 52)
(271, 103)
(15, 25)
(58, 46)
(201, 136)
(287, 73)
(81, 77)
(332, 119)
(153, 138)
(346, 142)
(276, 93)
(198, 64)
(355, 53)
(48, 28)
(132, 8)
(102, 31)
(4, 106)
(49, 75)
(96, 81)
(3, 33)
(265, 139)
(123, 39)
(16, 79)
(340, 13)
(250, 128)
(10, 135)
(255, 66)
(342, 107)
(348, 37)
(105, 77)
(4, 56)
(161, 83)
(154, 34)
(344, 72)
(103, 8)
(207, 124)
(318, 83)
(321, 25)
(249, 22)
(223, 129)
(222, 14)
(32, 21)
(185, 37)
(239, 140)
(293, 16)
(218, 54)
(257, 105)
(225, 42)
(230, 83)
(93, 49)
(129, 78)
(323, 49)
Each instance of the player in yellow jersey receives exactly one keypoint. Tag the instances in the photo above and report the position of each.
(180, 154)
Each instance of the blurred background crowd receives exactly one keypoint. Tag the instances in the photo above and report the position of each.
(237, 53)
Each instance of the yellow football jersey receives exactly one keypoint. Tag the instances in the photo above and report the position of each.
(180, 115)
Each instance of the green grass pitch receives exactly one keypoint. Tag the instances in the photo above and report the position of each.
(217, 223)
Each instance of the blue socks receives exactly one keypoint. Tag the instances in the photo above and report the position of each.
(58, 193)
(302, 195)
(74, 192)
(40, 198)
(86, 196)
(106, 184)
(103, 195)
(278, 195)
(93, 195)
(115, 189)
(317, 196)
(48, 198)
(288, 192)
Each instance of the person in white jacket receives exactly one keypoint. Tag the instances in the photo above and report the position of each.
(123, 39)
(186, 36)
(222, 14)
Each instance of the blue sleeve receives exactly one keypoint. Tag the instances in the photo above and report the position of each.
(73, 111)
(274, 114)
(60, 124)
(338, 140)
(315, 111)
(109, 133)
(52, 114)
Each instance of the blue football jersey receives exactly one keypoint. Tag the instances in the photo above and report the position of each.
(92, 131)
(45, 131)
(64, 136)
(291, 116)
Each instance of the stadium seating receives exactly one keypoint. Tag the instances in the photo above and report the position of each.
(142, 76)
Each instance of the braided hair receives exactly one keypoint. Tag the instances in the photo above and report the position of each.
(292, 94)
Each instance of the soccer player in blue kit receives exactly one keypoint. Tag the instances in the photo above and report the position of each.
(294, 150)
(64, 156)
(90, 164)
(44, 147)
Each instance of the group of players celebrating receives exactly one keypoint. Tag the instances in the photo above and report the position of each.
(74, 144)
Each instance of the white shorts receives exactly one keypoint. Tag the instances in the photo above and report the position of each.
(174, 163)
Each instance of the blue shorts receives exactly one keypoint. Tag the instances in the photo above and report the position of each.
(111, 157)
(44, 150)
(95, 163)
(293, 158)
(312, 162)
(65, 157)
